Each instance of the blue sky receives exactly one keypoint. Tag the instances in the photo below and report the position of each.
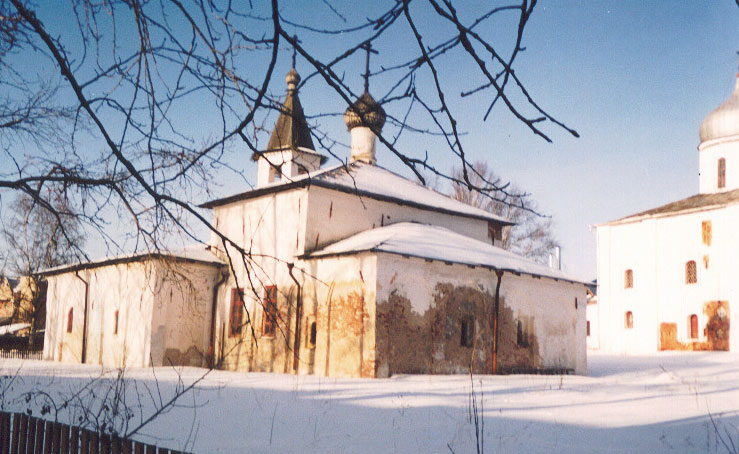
(635, 79)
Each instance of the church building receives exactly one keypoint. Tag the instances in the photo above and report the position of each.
(353, 271)
(667, 276)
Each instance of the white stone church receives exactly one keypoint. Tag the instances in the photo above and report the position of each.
(667, 277)
(355, 271)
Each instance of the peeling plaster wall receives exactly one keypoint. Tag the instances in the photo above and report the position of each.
(421, 305)
(335, 215)
(338, 294)
(130, 290)
(657, 249)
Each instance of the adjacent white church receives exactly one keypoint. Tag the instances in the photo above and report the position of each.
(667, 277)
(355, 271)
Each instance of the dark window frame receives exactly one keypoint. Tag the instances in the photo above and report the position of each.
(269, 320)
(467, 332)
(721, 183)
(236, 314)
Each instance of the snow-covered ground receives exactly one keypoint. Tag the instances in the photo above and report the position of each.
(667, 402)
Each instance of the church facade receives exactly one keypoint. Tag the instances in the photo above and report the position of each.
(667, 276)
(352, 271)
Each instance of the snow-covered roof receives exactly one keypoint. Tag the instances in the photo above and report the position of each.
(189, 254)
(437, 243)
(14, 328)
(698, 202)
(370, 181)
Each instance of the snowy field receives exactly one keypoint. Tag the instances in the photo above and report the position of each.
(668, 402)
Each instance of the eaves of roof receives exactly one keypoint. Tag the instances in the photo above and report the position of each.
(126, 259)
(307, 182)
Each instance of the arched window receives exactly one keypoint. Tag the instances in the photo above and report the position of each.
(691, 273)
(70, 320)
(237, 313)
(520, 335)
(115, 326)
(693, 326)
(628, 279)
(467, 337)
(722, 173)
(629, 320)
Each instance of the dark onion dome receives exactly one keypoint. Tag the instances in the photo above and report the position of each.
(723, 122)
(365, 112)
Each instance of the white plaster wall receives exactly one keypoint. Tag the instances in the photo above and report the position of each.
(181, 313)
(334, 215)
(708, 156)
(557, 323)
(657, 250)
(593, 317)
(64, 291)
(125, 288)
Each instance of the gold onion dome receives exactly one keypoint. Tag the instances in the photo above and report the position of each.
(365, 112)
(292, 79)
(723, 122)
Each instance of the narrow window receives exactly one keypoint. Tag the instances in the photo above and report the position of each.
(587, 329)
(629, 279)
(691, 273)
(270, 311)
(520, 335)
(468, 332)
(312, 335)
(70, 319)
(629, 320)
(237, 312)
(694, 326)
(722, 173)
(115, 323)
(706, 232)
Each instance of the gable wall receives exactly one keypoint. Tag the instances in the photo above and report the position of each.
(334, 215)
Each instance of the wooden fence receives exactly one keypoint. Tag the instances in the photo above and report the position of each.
(23, 434)
(22, 354)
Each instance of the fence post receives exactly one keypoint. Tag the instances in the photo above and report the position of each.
(74, 440)
(94, 443)
(65, 438)
(4, 433)
(39, 445)
(16, 433)
(23, 419)
(31, 437)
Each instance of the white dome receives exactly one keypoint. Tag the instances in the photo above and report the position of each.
(724, 120)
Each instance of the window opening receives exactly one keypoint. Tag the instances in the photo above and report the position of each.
(70, 319)
(629, 279)
(520, 334)
(270, 311)
(691, 273)
(312, 335)
(237, 313)
(468, 332)
(115, 323)
(694, 326)
(587, 328)
(722, 173)
(629, 322)
(706, 232)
